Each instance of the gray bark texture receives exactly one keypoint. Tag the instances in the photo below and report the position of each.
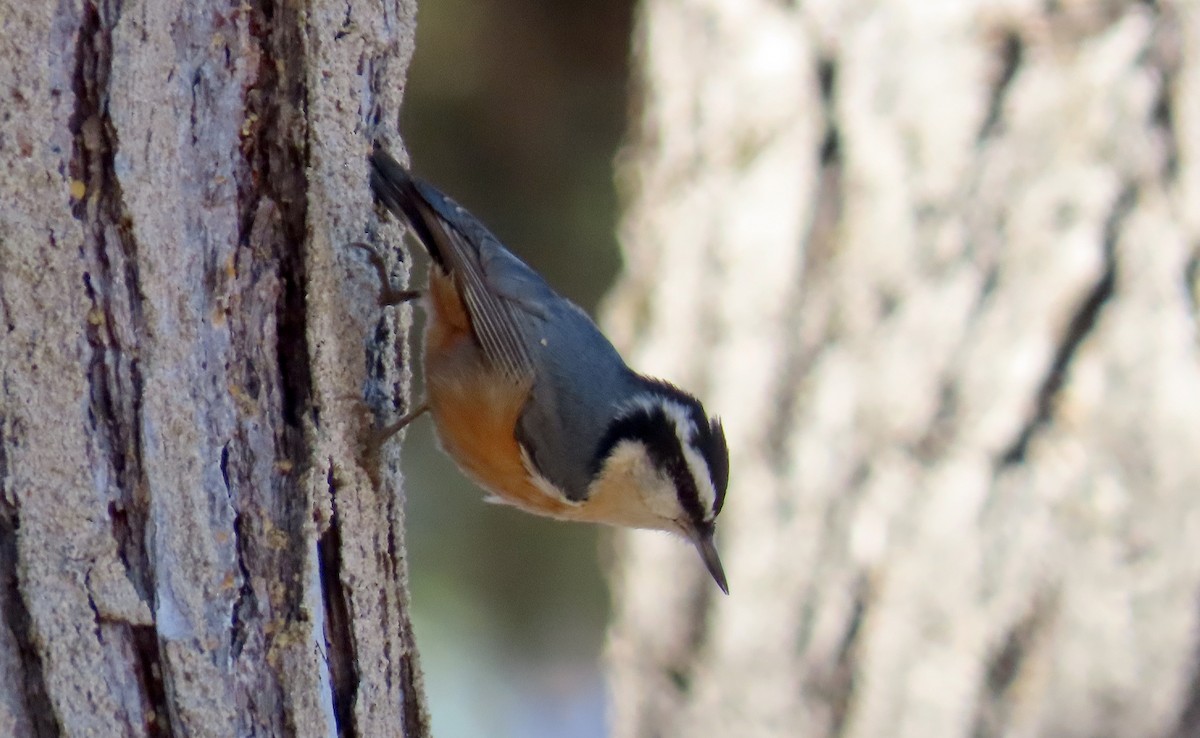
(189, 542)
(935, 263)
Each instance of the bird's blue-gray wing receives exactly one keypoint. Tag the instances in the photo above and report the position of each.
(495, 286)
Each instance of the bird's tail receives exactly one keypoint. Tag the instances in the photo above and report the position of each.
(404, 195)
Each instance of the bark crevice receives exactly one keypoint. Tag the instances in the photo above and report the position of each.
(339, 634)
(15, 618)
(1005, 666)
(1011, 52)
(1078, 329)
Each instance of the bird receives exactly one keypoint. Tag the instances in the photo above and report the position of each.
(533, 402)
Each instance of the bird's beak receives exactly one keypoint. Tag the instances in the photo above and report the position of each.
(708, 551)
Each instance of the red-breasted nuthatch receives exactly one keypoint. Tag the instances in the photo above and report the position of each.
(533, 402)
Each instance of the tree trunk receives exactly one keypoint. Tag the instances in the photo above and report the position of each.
(935, 264)
(190, 543)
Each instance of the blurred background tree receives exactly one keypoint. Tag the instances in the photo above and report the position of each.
(936, 263)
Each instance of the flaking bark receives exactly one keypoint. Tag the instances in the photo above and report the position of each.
(189, 542)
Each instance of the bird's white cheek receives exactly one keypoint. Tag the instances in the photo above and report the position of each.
(652, 497)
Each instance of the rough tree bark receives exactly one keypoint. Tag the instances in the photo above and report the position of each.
(189, 544)
(935, 263)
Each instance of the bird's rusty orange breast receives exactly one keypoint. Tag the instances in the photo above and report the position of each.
(474, 410)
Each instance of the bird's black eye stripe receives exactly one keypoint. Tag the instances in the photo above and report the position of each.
(656, 431)
(709, 438)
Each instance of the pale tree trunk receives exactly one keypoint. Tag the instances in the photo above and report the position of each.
(189, 543)
(935, 264)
